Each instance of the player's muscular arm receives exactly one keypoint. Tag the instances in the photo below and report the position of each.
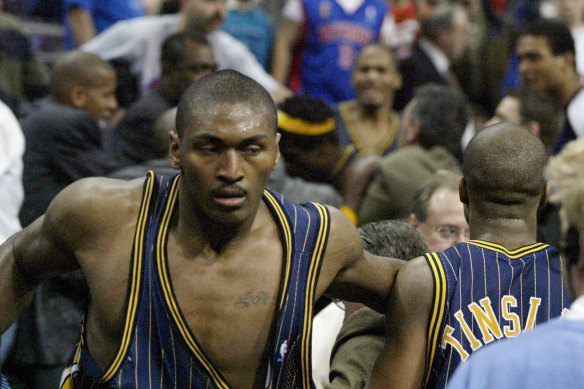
(401, 364)
(34, 254)
(352, 274)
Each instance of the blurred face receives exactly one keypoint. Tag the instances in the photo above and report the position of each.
(203, 15)
(538, 67)
(407, 132)
(508, 110)
(198, 61)
(457, 40)
(225, 157)
(445, 225)
(99, 99)
(375, 77)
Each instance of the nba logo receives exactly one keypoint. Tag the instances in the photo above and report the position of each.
(325, 10)
(283, 350)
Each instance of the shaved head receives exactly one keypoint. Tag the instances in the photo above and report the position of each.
(77, 68)
(503, 166)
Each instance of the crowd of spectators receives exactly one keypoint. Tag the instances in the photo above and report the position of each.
(377, 100)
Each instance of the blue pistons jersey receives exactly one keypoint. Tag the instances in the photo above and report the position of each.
(484, 293)
(332, 42)
(157, 348)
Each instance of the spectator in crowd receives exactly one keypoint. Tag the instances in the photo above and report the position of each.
(550, 356)
(11, 191)
(23, 78)
(547, 62)
(184, 59)
(84, 19)
(430, 140)
(65, 141)
(369, 121)
(139, 41)
(518, 282)
(443, 39)
(253, 27)
(318, 42)
(360, 340)
(311, 150)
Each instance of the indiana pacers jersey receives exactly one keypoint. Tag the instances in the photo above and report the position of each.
(483, 293)
(332, 42)
(157, 348)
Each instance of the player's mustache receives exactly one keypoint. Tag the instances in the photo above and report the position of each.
(229, 191)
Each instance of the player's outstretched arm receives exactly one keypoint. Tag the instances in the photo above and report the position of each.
(352, 274)
(402, 362)
(48, 246)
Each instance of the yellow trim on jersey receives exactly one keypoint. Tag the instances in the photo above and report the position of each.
(317, 255)
(168, 294)
(355, 136)
(136, 281)
(517, 253)
(283, 222)
(437, 314)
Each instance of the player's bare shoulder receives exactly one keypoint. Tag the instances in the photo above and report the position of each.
(91, 209)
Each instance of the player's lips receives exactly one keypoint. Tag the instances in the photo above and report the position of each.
(232, 196)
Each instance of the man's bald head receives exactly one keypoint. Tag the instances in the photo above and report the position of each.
(77, 68)
(503, 166)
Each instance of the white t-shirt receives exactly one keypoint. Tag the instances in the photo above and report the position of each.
(140, 40)
(11, 190)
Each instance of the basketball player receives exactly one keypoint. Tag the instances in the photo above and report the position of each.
(201, 280)
(445, 306)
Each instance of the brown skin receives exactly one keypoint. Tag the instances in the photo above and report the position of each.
(91, 224)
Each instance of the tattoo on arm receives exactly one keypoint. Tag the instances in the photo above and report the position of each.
(252, 297)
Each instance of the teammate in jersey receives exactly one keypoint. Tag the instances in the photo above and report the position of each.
(444, 306)
(204, 280)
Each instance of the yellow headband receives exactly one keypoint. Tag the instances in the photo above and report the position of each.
(302, 127)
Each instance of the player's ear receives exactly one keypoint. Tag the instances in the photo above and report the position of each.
(77, 96)
(413, 220)
(275, 166)
(462, 192)
(174, 150)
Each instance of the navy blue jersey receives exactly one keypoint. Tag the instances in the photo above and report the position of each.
(483, 293)
(332, 42)
(158, 349)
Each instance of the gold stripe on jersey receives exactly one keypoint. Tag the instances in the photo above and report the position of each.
(168, 294)
(437, 311)
(317, 255)
(283, 222)
(135, 282)
(517, 253)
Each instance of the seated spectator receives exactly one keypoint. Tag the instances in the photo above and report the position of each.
(138, 42)
(369, 122)
(184, 59)
(23, 78)
(84, 19)
(250, 25)
(430, 139)
(64, 143)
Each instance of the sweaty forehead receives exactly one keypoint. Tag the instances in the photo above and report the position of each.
(229, 117)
